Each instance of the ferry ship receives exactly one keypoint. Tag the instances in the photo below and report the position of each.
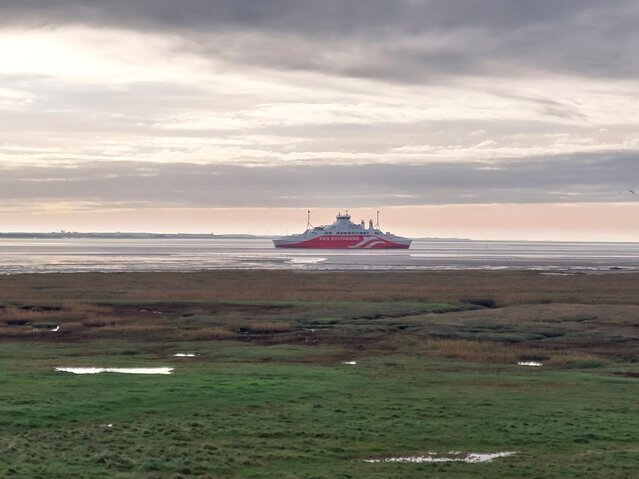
(343, 234)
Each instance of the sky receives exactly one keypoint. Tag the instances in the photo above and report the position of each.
(491, 119)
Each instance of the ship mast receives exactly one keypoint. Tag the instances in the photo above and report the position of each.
(377, 224)
(308, 220)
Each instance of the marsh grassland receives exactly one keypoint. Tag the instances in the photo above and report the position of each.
(268, 394)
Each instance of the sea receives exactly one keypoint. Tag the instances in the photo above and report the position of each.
(108, 255)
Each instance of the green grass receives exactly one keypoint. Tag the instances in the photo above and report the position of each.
(437, 375)
(261, 411)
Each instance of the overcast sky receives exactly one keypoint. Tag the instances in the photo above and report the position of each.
(181, 116)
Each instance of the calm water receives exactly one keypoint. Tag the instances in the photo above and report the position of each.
(67, 255)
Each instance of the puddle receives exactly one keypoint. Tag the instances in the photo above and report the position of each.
(532, 364)
(185, 355)
(453, 456)
(116, 370)
(309, 260)
(349, 362)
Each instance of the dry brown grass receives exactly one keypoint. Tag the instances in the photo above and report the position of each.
(95, 323)
(128, 330)
(13, 315)
(475, 351)
(29, 312)
(18, 332)
(563, 319)
(503, 287)
(268, 327)
(34, 319)
(207, 334)
(491, 352)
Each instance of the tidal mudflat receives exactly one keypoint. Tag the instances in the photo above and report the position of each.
(312, 374)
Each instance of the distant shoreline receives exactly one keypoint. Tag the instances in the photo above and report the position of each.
(76, 235)
(200, 236)
(118, 235)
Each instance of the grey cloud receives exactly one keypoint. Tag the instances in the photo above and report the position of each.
(576, 178)
(400, 40)
(307, 16)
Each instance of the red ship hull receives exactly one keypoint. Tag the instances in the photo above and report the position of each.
(343, 242)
